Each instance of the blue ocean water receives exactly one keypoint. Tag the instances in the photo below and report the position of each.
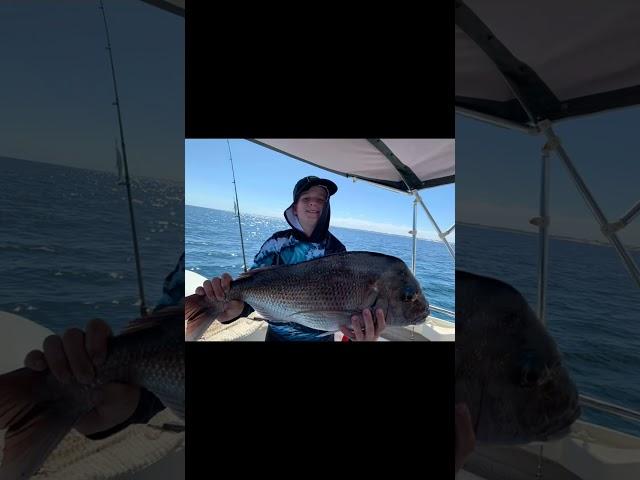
(212, 243)
(593, 307)
(66, 252)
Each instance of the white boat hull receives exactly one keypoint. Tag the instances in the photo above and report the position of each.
(589, 452)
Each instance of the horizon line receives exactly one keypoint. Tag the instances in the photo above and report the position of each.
(93, 169)
(591, 241)
(334, 226)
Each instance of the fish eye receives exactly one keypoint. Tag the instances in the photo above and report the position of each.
(529, 377)
(525, 377)
(530, 371)
(408, 294)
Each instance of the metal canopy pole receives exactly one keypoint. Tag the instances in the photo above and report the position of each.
(631, 214)
(414, 233)
(412, 182)
(435, 225)
(591, 202)
(626, 218)
(498, 122)
(542, 222)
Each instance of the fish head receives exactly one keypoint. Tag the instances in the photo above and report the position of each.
(522, 391)
(406, 304)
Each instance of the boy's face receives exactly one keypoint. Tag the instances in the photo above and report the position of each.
(309, 206)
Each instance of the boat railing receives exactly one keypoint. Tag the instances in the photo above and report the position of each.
(444, 311)
(611, 408)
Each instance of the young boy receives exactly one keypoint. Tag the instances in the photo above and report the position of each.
(308, 238)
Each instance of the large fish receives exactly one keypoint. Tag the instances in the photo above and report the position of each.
(37, 411)
(321, 294)
(508, 369)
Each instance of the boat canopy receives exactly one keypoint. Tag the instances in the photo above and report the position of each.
(401, 164)
(559, 59)
(173, 6)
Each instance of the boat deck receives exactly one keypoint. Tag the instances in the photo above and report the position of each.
(254, 329)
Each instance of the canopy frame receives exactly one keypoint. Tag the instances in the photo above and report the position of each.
(410, 184)
(534, 101)
(177, 8)
(403, 185)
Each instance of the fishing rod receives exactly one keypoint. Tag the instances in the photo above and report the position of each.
(143, 305)
(237, 209)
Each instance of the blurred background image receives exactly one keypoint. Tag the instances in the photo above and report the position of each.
(65, 234)
(559, 90)
(80, 168)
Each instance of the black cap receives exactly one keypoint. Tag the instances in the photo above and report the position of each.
(306, 183)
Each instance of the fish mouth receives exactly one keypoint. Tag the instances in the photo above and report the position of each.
(422, 316)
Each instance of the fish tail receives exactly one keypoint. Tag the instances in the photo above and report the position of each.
(199, 313)
(34, 422)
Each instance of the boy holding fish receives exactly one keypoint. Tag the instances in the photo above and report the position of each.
(308, 238)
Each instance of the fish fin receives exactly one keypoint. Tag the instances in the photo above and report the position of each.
(383, 303)
(34, 424)
(371, 298)
(199, 313)
(139, 324)
(253, 271)
(151, 321)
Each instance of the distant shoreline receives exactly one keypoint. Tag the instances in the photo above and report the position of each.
(334, 226)
(109, 172)
(599, 243)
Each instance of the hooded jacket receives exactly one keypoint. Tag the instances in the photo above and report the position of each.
(291, 246)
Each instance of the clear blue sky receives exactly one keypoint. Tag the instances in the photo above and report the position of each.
(57, 90)
(265, 181)
(498, 174)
